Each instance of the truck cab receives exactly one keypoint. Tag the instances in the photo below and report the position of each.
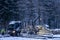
(14, 28)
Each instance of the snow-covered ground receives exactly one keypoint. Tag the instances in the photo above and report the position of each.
(55, 37)
(20, 38)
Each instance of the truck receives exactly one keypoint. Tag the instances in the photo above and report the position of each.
(14, 28)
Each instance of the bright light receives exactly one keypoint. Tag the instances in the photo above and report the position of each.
(13, 31)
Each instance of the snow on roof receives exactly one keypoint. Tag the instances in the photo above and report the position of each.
(13, 22)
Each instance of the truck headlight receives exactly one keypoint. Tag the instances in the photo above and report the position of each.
(13, 31)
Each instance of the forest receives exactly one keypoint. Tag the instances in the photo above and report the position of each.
(31, 12)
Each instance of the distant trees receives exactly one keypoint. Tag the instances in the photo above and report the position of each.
(37, 11)
(49, 11)
(8, 11)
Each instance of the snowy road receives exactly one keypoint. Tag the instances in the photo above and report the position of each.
(20, 38)
(56, 37)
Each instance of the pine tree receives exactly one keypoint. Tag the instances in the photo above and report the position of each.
(9, 11)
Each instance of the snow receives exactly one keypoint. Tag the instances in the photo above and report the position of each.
(13, 22)
(57, 37)
(18, 38)
(21, 38)
(55, 29)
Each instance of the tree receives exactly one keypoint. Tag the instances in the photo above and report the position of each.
(9, 11)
